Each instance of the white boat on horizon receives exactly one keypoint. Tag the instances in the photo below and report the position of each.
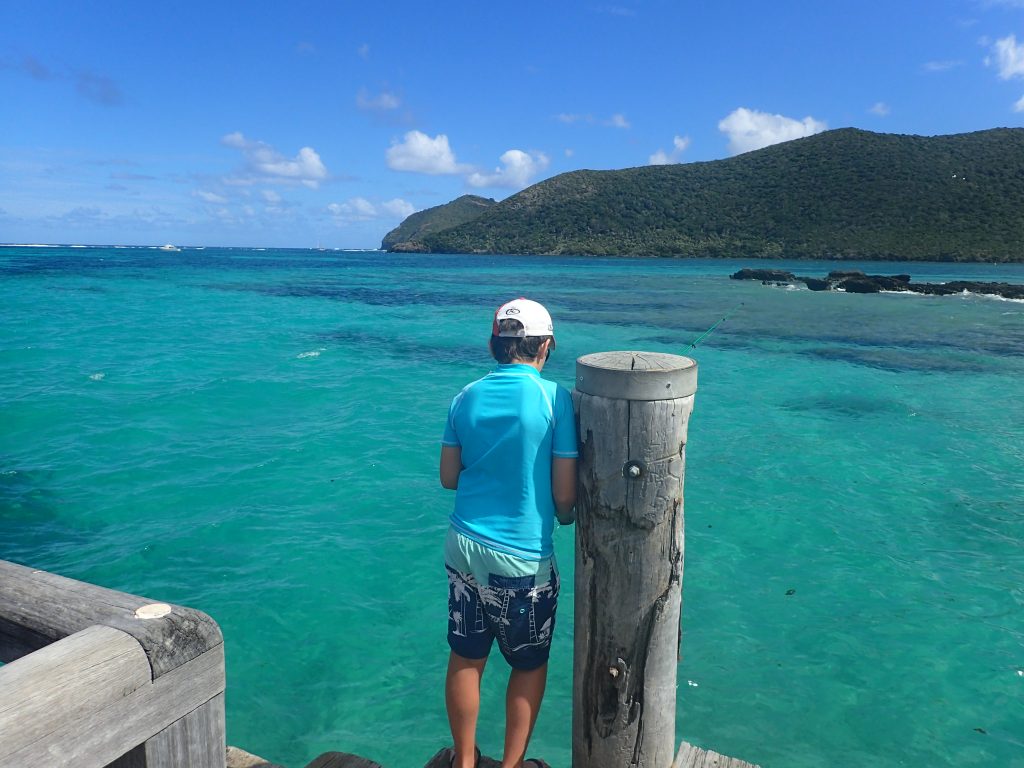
(169, 247)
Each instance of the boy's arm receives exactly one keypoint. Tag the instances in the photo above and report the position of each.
(563, 489)
(451, 466)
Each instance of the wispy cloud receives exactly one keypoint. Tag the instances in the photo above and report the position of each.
(363, 51)
(97, 88)
(1019, 105)
(879, 108)
(264, 164)
(941, 66)
(360, 209)
(661, 157)
(1008, 57)
(385, 101)
(35, 69)
(128, 176)
(618, 120)
(614, 10)
(418, 153)
(517, 170)
(210, 197)
(749, 129)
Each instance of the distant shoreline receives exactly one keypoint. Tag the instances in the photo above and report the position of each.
(630, 256)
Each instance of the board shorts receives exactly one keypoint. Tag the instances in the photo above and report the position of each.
(516, 610)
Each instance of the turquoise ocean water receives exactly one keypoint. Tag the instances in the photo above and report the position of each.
(255, 434)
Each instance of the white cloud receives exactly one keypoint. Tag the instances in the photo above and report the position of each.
(398, 208)
(1009, 57)
(265, 163)
(879, 108)
(569, 151)
(518, 168)
(361, 209)
(236, 140)
(271, 196)
(749, 129)
(941, 66)
(363, 51)
(618, 121)
(382, 102)
(210, 197)
(661, 157)
(419, 153)
(1019, 105)
(569, 119)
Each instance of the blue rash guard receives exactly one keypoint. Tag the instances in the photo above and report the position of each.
(509, 425)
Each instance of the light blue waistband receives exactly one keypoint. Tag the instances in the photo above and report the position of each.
(467, 556)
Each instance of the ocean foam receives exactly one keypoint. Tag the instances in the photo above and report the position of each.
(97, 376)
(312, 353)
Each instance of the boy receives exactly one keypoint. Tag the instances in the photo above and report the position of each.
(509, 452)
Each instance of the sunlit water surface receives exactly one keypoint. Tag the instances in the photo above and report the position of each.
(255, 434)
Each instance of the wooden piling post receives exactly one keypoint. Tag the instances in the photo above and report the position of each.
(633, 409)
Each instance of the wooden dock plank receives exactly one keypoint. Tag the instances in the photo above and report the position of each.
(64, 682)
(194, 741)
(117, 728)
(690, 756)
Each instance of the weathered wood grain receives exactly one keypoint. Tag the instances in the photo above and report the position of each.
(194, 741)
(38, 608)
(67, 681)
(690, 756)
(105, 733)
(629, 565)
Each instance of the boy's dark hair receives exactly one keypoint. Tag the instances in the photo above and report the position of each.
(508, 349)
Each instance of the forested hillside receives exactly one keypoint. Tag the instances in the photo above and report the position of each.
(408, 235)
(842, 194)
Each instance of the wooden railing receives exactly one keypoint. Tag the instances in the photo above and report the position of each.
(94, 677)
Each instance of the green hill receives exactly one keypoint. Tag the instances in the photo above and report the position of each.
(408, 236)
(843, 194)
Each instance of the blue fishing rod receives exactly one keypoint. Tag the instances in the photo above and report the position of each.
(708, 332)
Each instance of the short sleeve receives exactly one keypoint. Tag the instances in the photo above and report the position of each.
(450, 438)
(564, 444)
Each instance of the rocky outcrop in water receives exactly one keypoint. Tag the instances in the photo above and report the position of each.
(859, 282)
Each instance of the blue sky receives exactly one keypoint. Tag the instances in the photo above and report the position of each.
(273, 124)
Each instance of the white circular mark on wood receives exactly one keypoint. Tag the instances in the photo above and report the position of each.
(152, 611)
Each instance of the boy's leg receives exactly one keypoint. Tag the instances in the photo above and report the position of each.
(522, 703)
(462, 698)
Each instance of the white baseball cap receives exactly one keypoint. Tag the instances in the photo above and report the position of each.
(535, 319)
